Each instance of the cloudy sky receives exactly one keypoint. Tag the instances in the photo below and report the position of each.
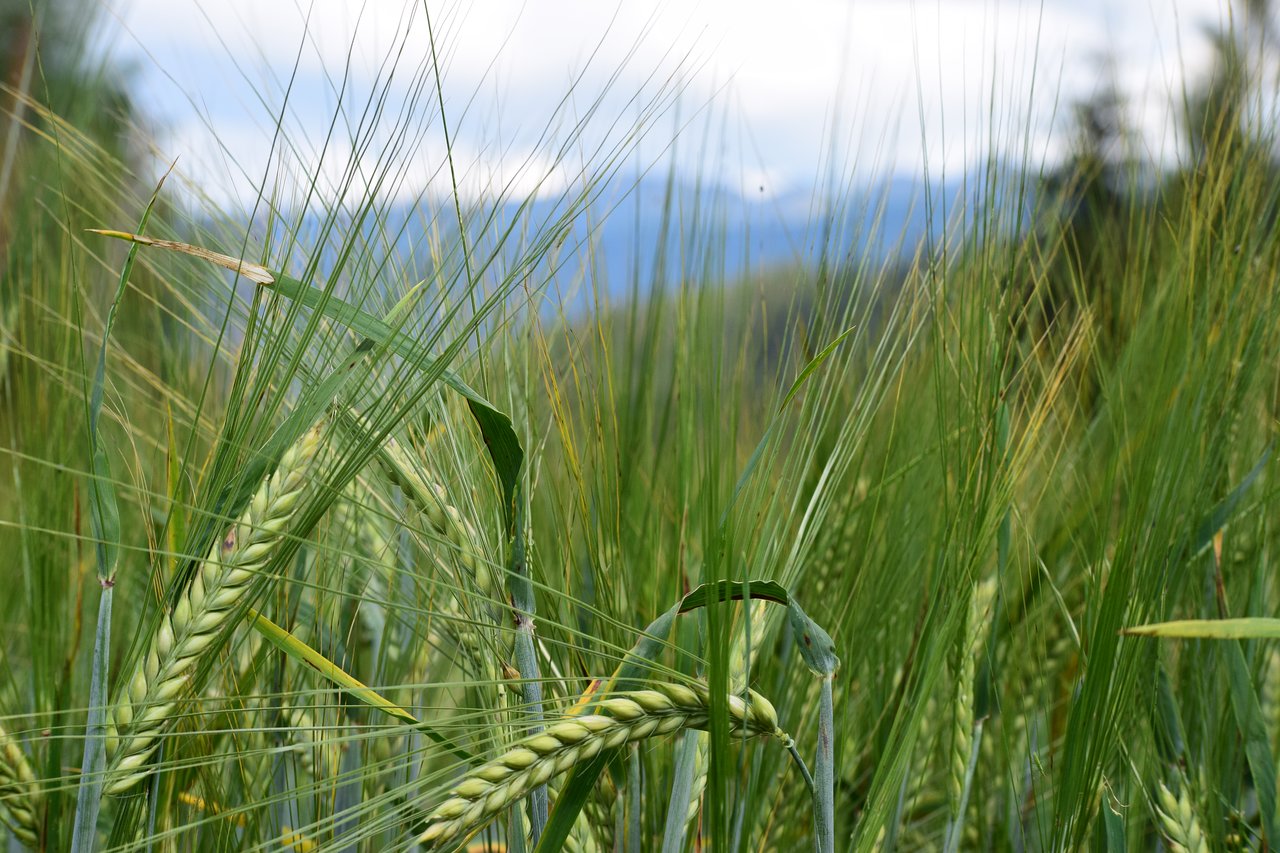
(765, 95)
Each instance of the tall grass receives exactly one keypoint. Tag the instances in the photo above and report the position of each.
(973, 468)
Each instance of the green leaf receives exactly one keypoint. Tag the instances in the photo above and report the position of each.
(1250, 628)
(815, 644)
(573, 796)
(734, 591)
(1223, 512)
(1113, 826)
(300, 651)
(681, 793)
(1253, 732)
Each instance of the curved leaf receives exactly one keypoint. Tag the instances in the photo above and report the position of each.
(336, 675)
(735, 591)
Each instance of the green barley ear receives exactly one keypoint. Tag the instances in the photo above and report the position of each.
(142, 713)
(486, 792)
(966, 734)
(432, 501)
(19, 794)
(1178, 822)
(963, 671)
(318, 749)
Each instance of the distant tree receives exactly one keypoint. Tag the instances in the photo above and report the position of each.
(47, 60)
(1101, 209)
(1086, 206)
(1231, 158)
(1218, 118)
(69, 159)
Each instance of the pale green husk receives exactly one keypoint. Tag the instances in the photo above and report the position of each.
(19, 793)
(142, 712)
(623, 718)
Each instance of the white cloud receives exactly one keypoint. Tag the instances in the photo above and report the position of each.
(893, 84)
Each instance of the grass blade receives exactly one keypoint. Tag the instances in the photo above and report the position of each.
(336, 675)
(84, 838)
(1253, 732)
(1223, 512)
(681, 792)
(1244, 628)
(734, 591)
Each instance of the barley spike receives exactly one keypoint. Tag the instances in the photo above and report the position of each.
(1179, 822)
(431, 499)
(19, 795)
(142, 712)
(487, 791)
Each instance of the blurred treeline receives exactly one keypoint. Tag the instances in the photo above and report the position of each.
(1109, 207)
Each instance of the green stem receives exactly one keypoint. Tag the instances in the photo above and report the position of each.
(520, 588)
(84, 835)
(681, 793)
(824, 774)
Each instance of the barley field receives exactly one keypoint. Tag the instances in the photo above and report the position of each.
(338, 524)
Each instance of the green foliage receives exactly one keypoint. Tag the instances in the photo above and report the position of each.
(986, 474)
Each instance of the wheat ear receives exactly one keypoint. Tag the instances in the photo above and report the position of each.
(487, 791)
(19, 795)
(141, 713)
(1179, 822)
(317, 748)
(963, 671)
(431, 499)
